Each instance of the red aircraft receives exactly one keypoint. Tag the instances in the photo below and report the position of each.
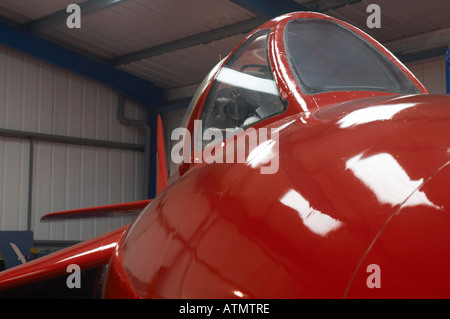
(344, 194)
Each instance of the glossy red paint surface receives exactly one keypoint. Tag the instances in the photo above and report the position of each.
(362, 179)
(161, 182)
(412, 247)
(309, 230)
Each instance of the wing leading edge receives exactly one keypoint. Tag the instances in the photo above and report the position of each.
(123, 209)
(89, 254)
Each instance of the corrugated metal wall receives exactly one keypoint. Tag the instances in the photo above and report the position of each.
(14, 156)
(431, 72)
(37, 97)
(171, 121)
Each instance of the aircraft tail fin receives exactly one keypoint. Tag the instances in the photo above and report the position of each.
(161, 182)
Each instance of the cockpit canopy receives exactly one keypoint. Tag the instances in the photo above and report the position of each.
(310, 54)
(244, 91)
(327, 57)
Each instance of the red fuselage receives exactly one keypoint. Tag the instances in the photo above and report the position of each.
(362, 182)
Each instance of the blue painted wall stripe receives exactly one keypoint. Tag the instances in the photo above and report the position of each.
(140, 91)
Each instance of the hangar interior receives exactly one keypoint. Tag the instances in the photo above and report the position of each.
(78, 106)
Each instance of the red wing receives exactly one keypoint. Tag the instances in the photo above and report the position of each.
(87, 255)
(125, 209)
(93, 253)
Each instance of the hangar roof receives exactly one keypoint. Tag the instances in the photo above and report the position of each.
(172, 44)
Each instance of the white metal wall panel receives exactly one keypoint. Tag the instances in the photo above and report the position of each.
(13, 183)
(71, 177)
(431, 73)
(37, 97)
(171, 121)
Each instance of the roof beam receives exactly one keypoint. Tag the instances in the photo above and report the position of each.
(324, 5)
(201, 38)
(263, 8)
(422, 54)
(420, 46)
(136, 89)
(270, 8)
(60, 17)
